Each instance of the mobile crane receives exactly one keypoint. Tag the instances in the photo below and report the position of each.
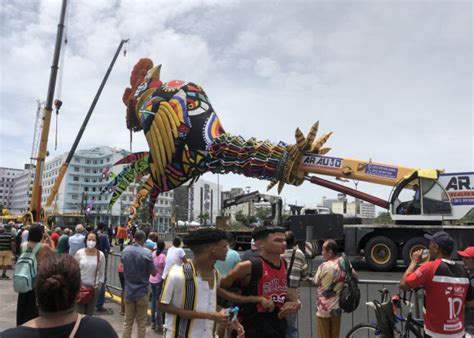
(422, 201)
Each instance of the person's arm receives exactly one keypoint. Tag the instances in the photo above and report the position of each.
(47, 240)
(407, 276)
(355, 274)
(238, 273)
(105, 243)
(317, 276)
(304, 268)
(239, 299)
(218, 317)
(101, 271)
(151, 266)
(292, 305)
(182, 254)
(13, 244)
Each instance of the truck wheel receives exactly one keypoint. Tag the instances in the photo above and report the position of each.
(413, 245)
(381, 253)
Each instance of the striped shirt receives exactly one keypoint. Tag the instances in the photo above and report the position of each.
(299, 271)
(6, 239)
(205, 300)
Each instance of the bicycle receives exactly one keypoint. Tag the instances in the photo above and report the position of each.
(386, 325)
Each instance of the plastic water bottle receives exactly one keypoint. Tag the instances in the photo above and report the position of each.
(232, 313)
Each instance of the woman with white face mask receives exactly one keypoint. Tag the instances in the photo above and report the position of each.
(92, 265)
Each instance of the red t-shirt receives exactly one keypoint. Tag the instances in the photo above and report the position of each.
(272, 284)
(446, 286)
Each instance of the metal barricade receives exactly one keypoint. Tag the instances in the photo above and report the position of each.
(307, 314)
(369, 292)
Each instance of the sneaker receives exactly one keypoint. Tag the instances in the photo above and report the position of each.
(101, 309)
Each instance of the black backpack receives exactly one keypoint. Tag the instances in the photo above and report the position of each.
(350, 294)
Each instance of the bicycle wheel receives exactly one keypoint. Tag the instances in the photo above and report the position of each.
(363, 330)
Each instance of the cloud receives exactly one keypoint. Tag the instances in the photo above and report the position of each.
(393, 80)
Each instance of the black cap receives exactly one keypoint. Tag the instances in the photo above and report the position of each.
(443, 240)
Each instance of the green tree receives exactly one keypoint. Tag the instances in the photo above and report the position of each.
(143, 215)
(240, 217)
(204, 217)
(263, 213)
(383, 218)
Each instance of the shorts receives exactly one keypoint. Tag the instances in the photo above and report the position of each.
(6, 258)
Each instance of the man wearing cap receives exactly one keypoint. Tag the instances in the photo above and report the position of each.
(446, 287)
(468, 259)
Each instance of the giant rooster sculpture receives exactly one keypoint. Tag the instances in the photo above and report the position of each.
(186, 140)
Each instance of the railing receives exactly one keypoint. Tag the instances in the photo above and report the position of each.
(307, 314)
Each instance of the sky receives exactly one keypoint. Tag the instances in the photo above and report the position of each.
(392, 79)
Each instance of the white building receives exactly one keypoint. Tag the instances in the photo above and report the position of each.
(83, 181)
(200, 199)
(358, 208)
(7, 179)
(22, 190)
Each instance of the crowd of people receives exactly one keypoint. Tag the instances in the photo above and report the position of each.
(217, 292)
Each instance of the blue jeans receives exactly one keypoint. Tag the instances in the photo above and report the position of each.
(155, 295)
(292, 326)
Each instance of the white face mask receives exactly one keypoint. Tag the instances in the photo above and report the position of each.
(91, 244)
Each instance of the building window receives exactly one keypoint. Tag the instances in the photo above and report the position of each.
(76, 169)
(101, 161)
(86, 188)
(93, 188)
(95, 162)
(75, 178)
(88, 170)
(86, 179)
(74, 196)
(108, 159)
(88, 161)
(77, 159)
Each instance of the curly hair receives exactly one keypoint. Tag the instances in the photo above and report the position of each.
(196, 239)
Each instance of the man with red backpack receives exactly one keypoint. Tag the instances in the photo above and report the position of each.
(265, 276)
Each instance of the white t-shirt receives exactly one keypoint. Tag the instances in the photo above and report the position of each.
(174, 256)
(88, 265)
(206, 301)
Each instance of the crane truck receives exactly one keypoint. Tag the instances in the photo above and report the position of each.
(422, 201)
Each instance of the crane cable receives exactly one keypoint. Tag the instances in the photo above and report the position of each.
(128, 67)
(58, 103)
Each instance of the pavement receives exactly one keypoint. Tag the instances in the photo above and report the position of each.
(8, 299)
